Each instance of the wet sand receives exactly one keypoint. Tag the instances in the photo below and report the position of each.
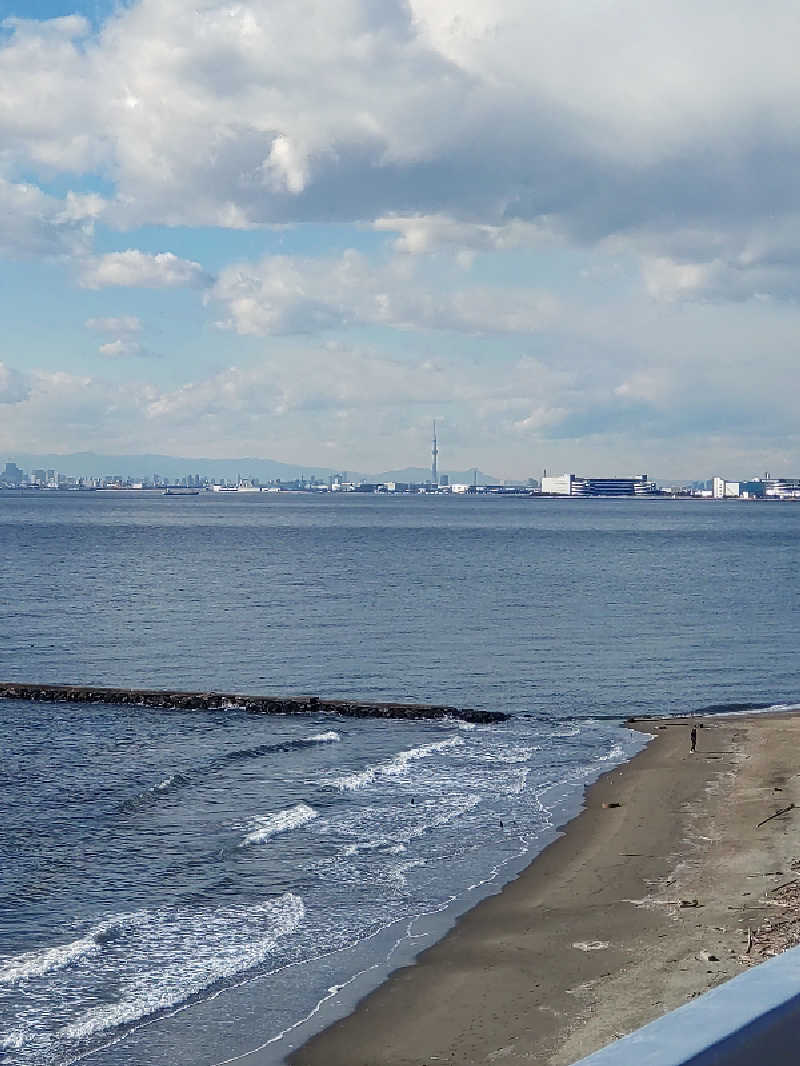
(664, 886)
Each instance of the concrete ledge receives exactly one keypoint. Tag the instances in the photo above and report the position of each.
(753, 1018)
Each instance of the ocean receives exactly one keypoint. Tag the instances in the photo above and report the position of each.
(191, 888)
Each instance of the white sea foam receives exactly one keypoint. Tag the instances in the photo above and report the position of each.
(398, 873)
(394, 767)
(32, 964)
(269, 825)
(516, 781)
(160, 960)
(509, 755)
(382, 846)
(616, 754)
(444, 810)
(168, 782)
(323, 738)
(37, 963)
(198, 951)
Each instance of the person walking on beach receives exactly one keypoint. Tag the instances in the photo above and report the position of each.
(693, 739)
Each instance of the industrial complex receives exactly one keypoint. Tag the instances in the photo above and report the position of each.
(572, 485)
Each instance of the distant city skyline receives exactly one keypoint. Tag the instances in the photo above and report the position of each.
(85, 464)
(14, 478)
(567, 233)
(165, 469)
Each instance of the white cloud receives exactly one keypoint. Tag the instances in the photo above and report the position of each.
(665, 136)
(734, 266)
(125, 348)
(35, 224)
(141, 269)
(63, 412)
(596, 120)
(350, 394)
(122, 332)
(419, 234)
(280, 294)
(371, 411)
(50, 110)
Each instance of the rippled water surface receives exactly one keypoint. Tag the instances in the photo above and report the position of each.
(181, 887)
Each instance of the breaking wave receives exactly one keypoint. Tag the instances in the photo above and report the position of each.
(269, 825)
(394, 767)
(159, 960)
(33, 964)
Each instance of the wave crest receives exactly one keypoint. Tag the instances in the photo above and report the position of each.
(269, 825)
(393, 767)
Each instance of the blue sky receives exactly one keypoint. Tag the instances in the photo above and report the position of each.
(303, 231)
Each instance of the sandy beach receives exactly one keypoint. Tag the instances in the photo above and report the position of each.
(681, 872)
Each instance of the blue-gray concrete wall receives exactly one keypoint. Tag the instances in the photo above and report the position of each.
(752, 1019)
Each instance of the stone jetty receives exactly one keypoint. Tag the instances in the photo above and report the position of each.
(218, 701)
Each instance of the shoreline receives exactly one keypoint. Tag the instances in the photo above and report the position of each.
(645, 900)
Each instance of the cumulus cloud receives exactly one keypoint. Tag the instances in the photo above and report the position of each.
(133, 268)
(281, 294)
(662, 136)
(733, 267)
(35, 224)
(597, 120)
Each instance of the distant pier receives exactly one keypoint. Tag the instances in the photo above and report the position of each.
(218, 701)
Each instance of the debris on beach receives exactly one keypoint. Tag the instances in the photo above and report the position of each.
(777, 814)
(777, 932)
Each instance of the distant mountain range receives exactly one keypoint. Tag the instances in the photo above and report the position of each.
(89, 464)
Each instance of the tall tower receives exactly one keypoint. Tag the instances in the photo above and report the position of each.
(434, 458)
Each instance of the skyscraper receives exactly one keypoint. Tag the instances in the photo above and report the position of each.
(434, 458)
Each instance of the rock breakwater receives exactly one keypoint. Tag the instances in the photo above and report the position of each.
(217, 701)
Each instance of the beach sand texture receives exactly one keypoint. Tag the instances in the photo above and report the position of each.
(635, 910)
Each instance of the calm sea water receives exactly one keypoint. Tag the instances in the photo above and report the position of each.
(181, 888)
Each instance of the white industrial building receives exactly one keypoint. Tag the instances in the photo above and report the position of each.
(572, 485)
(722, 489)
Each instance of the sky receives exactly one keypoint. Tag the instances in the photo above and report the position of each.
(304, 230)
